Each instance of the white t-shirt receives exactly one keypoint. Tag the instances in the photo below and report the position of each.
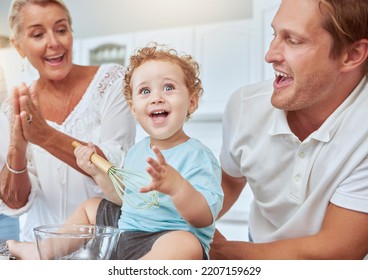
(102, 117)
(292, 181)
(197, 164)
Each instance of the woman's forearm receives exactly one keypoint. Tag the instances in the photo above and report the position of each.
(14, 188)
(60, 146)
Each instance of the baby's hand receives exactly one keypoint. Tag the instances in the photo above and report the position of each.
(165, 178)
(83, 155)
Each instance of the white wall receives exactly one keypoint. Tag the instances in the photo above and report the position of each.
(92, 18)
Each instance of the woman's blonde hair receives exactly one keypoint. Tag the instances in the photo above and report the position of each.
(15, 19)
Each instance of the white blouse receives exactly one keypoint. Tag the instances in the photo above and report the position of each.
(102, 117)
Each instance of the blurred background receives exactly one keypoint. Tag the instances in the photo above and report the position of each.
(93, 18)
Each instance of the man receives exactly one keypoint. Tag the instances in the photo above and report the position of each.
(304, 154)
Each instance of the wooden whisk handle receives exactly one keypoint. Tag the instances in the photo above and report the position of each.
(97, 160)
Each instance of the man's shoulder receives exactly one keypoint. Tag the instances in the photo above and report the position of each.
(261, 88)
(257, 94)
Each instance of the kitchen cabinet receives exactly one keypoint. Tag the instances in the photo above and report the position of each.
(105, 49)
(263, 13)
(225, 52)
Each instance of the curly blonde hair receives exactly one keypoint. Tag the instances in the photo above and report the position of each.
(154, 51)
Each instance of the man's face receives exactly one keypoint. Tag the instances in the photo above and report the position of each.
(305, 75)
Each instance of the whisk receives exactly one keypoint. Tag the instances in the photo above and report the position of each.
(126, 182)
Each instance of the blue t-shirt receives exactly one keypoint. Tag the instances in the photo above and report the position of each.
(197, 164)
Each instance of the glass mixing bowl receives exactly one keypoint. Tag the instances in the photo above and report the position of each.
(76, 242)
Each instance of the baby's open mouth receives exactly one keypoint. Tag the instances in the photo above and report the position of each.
(158, 115)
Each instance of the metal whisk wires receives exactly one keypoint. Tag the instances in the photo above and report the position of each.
(126, 183)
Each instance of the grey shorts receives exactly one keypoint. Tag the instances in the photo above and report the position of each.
(132, 245)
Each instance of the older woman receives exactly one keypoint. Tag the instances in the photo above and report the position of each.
(40, 176)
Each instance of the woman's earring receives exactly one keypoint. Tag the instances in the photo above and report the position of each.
(23, 64)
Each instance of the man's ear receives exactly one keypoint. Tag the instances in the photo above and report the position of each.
(355, 56)
(15, 43)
